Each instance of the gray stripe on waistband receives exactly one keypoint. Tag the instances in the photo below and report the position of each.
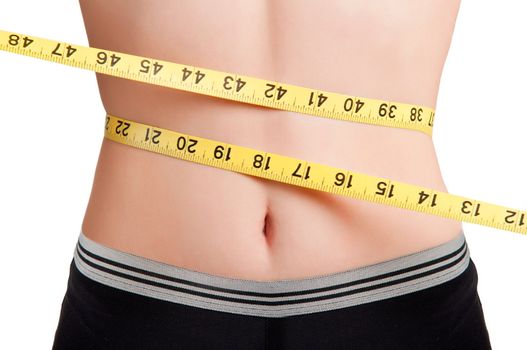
(175, 284)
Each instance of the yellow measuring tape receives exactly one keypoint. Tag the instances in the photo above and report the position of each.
(225, 85)
(259, 163)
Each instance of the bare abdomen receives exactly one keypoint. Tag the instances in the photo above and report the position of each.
(231, 224)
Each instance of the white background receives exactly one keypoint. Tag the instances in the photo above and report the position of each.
(480, 137)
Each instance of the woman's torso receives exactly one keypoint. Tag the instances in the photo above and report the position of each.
(212, 220)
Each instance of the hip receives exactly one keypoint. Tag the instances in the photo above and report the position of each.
(424, 300)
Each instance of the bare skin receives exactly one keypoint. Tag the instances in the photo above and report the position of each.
(229, 224)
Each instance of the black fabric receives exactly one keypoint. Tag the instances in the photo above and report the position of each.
(447, 316)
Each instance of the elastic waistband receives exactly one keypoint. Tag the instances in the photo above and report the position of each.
(279, 298)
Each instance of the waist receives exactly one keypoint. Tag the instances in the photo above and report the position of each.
(231, 224)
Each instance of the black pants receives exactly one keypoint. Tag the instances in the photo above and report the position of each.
(445, 316)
